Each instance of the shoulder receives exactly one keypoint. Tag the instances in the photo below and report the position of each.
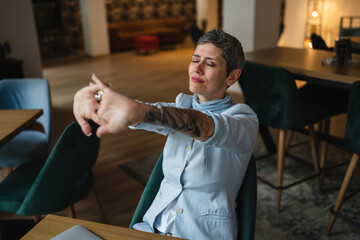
(241, 110)
(184, 100)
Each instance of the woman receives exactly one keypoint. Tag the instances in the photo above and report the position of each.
(209, 145)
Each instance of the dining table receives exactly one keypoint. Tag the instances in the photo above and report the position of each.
(13, 121)
(53, 225)
(311, 65)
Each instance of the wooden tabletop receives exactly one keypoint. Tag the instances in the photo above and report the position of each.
(13, 121)
(52, 225)
(306, 64)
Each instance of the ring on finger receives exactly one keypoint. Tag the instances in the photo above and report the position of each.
(98, 95)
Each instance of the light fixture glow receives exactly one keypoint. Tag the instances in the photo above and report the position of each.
(314, 14)
(308, 43)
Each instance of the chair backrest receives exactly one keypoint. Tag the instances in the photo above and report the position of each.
(352, 131)
(32, 93)
(318, 42)
(66, 176)
(246, 199)
(195, 33)
(271, 92)
(246, 203)
(150, 191)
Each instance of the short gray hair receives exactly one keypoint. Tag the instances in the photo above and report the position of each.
(230, 47)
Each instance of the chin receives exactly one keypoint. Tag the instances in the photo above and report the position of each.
(194, 89)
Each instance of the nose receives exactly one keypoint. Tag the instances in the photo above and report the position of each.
(199, 68)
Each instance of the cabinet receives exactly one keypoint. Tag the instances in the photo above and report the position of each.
(11, 68)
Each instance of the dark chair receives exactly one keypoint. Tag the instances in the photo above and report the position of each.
(246, 199)
(195, 33)
(271, 92)
(352, 140)
(28, 145)
(36, 188)
(319, 43)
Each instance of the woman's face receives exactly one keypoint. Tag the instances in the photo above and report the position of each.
(207, 73)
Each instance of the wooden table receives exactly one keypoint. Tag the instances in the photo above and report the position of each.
(13, 121)
(53, 225)
(306, 64)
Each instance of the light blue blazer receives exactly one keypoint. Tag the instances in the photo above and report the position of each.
(205, 177)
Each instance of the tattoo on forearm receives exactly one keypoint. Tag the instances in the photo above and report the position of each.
(190, 122)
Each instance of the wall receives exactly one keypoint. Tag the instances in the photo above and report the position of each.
(267, 23)
(239, 20)
(255, 23)
(207, 10)
(212, 15)
(17, 26)
(94, 22)
(333, 11)
(295, 18)
(201, 11)
(294, 24)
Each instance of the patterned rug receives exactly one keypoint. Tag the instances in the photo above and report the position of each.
(141, 169)
(304, 211)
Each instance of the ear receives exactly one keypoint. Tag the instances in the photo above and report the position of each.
(233, 77)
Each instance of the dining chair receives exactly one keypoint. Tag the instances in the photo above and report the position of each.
(32, 93)
(195, 33)
(36, 188)
(245, 202)
(272, 93)
(352, 141)
(319, 43)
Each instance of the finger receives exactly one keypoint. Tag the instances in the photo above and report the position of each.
(99, 82)
(100, 121)
(85, 126)
(101, 131)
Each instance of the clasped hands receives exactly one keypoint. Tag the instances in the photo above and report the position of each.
(114, 113)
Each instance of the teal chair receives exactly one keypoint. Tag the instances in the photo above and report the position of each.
(195, 33)
(36, 188)
(272, 93)
(246, 199)
(28, 93)
(352, 141)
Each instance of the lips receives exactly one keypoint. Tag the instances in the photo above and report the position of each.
(196, 80)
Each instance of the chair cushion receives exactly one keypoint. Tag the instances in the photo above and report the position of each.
(27, 145)
(326, 100)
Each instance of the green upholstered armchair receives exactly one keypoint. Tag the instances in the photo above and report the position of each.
(246, 199)
(352, 140)
(36, 188)
(271, 92)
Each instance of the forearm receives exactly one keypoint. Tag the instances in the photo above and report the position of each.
(187, 121)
